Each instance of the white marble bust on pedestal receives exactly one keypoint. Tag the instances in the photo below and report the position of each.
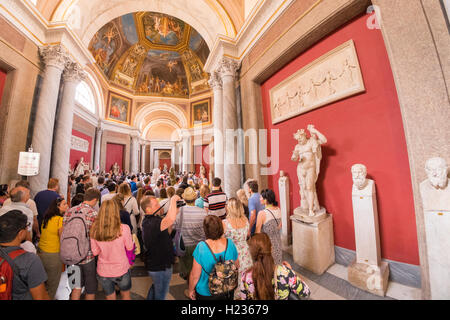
(367, 272)
(435, 192)
(365, 216)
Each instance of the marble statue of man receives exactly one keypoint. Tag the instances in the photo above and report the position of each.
(435, 190)
(115, 169)
(80, 168)
(308, 153)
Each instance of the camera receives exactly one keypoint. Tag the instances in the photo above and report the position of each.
(180, 203)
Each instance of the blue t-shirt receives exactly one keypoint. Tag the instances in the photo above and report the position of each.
(133, 186)
(204, 257)
(254, 203)
(43, 200)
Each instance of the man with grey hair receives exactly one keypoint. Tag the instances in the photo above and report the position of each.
(19, 198)
(30, 204)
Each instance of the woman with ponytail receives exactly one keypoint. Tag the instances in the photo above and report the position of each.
(269, 222)
(266, 280)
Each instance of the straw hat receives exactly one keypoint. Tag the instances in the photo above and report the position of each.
(189, 194)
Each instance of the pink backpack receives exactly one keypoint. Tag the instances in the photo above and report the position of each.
(75, 241)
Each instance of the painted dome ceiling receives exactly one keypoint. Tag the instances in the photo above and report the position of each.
(149, 53)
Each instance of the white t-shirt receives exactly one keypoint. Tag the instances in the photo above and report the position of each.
(30, 205)
(21, 207)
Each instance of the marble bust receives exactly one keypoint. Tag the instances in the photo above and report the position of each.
(435, 191)
(361, 185)
(308, 154)
(367, 272)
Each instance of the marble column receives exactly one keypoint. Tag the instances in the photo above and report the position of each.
(72, 76)
(216, 83)
(156, 159)
(134, 163)
(97, 150)
(143, 153)
(186, 154)
(286, 230)
(55, 59)
(232, 172)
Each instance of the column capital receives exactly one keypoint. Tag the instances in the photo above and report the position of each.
(74, 72)
(55, 56)
(215, 81)
(228, 67)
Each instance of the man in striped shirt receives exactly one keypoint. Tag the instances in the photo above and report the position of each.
(216, 201)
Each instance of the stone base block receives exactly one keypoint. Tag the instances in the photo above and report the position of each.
(369, 278)
(313, 244)
(303, 215)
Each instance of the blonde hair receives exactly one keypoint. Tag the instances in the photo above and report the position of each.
(242, 196)
(204, 191)
(106, 226)
(235, 209)
(125, 189)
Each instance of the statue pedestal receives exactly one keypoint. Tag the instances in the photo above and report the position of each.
(303, 215)
(369, 278)
(313, 244)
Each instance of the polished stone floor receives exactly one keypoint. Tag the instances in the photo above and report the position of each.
(332, 285)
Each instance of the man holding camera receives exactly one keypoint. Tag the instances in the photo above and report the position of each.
(159, 253)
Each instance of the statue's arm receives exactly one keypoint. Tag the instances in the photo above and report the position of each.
(320, 137)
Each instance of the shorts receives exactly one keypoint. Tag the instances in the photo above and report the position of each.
(89, 277)
(123, 282)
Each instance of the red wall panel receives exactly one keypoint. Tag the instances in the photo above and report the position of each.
(165, 161)
(366, 129)
(76, 155)
(2, 83)
(114, 153)
(201, 157)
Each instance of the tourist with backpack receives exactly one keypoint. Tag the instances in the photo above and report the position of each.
(48, 248)
(22, 275)
(75, 243)
(215, 270)
(110, 240)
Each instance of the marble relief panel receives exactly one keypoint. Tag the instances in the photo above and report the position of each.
(332, 77)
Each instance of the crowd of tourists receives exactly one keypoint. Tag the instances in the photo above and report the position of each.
(226, 248)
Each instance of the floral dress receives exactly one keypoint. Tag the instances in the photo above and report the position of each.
(270, 227)
(239, 237)
(287, 281)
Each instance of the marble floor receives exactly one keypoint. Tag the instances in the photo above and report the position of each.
(332, 285)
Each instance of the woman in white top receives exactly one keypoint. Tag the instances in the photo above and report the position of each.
(130, 204)
(269, 222)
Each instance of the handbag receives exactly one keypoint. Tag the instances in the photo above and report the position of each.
(178, 243)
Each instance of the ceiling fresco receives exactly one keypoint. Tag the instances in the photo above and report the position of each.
(149, 53)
